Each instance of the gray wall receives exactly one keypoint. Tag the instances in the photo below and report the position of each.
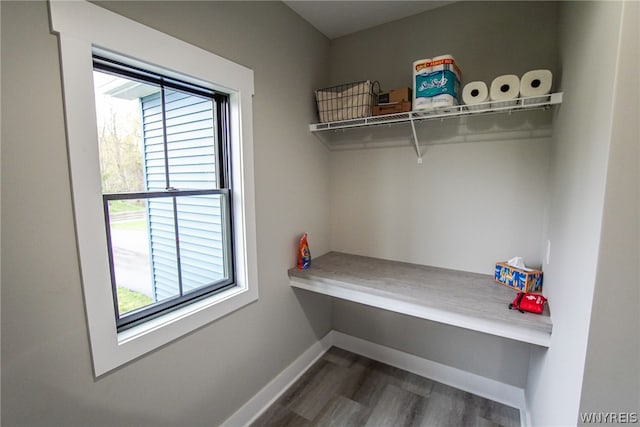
(487, 39)
(469, 204)
(202, 378)
(46, 369)
(581, 142)
(613, 352)
(487, 355)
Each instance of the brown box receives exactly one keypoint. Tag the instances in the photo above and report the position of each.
(399, 107)
(395, 95)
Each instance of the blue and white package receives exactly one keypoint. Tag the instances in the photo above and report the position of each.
(436, 83)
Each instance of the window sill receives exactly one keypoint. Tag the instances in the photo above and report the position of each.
(156, 324)
(467, 300)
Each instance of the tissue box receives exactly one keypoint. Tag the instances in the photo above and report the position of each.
(518, 279)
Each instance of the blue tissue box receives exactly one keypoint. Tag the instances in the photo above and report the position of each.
(518, 279)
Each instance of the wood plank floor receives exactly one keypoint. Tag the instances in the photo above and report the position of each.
(345, 389)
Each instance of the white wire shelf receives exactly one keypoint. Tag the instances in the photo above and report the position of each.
(520, 104)
(544, 102)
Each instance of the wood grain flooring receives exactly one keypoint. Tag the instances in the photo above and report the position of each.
(345, 389)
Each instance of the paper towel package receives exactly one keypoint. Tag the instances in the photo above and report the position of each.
(503, 90)
(535, 83)
(421, 69)
(436, 83)
(475, 93)
(446, 66)
(446, 62)
(522, 280)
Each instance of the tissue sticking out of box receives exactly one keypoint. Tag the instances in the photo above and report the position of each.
(518, 262)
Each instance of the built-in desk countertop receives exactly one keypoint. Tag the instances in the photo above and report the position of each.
(467, 300)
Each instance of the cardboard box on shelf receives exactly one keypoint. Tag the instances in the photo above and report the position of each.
(398, 107)
(517, 278)
(395, 96)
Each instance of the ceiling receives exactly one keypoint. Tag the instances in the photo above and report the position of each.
(338, 18)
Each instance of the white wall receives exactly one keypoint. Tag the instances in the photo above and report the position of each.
(469, 204)
(581, 140)
(612, 368)
(202, 378)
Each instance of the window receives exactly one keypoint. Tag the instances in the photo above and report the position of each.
(189, 202)
(165, 189)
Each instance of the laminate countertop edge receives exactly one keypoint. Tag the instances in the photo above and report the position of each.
(370, 296)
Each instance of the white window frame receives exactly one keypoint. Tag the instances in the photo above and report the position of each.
(84, 28)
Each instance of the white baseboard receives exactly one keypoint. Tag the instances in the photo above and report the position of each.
(251, 410)
(463, 380)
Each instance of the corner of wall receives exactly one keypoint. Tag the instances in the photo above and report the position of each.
(582, 137)
(612, 373)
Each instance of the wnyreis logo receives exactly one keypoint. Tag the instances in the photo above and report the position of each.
(609, 417)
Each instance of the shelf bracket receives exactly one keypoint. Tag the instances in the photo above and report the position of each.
(415, 142)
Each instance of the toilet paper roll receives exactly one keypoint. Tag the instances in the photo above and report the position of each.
(443, 101)
(475, 93)
(421, 67)
(446, 62)
(535, 83)
(503, 90)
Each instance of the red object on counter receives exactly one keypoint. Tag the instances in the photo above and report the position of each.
(532, 303)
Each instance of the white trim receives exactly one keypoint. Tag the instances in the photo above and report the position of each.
(83, 28)
(525, 417)
(481, 386)
(259, 403)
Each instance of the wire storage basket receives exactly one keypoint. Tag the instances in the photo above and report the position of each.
(346, 101)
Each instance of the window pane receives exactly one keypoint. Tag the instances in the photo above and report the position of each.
(120, 129)
(153, 151)
(164, 253)
(157, 141)
(203, 240)
(190, 141)
(130, 251)
(146, 266)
